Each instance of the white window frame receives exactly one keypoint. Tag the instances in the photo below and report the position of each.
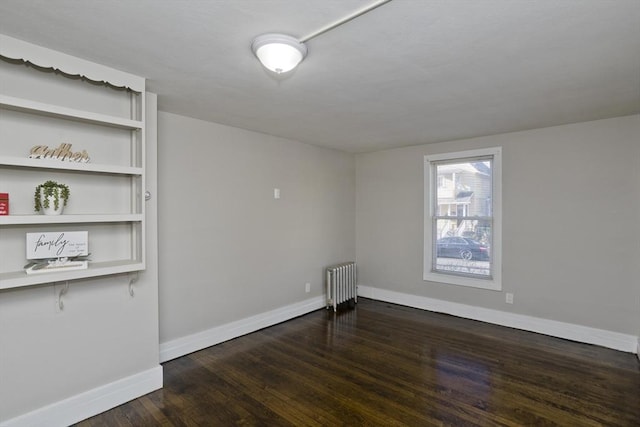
(430, 206)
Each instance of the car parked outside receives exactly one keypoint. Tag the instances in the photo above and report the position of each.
(463, 248)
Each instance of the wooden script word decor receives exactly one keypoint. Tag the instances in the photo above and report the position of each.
(57, 251)
(63, 152)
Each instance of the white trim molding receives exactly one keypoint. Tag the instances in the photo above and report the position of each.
(179, 347)
(570, 331)
(47, 58)
(92, 402)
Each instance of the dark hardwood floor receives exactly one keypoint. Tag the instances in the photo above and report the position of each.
(383, 365)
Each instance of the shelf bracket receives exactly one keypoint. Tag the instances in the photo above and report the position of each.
(133, 278)
(63, 291)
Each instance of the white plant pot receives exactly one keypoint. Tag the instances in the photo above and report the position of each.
(51, 210)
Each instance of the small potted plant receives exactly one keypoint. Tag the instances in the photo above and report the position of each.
(51, 197)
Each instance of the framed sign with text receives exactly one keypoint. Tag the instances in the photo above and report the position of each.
(59, 244)
(57, 251)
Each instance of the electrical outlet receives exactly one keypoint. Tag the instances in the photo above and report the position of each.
(508, 298)
(307, 287)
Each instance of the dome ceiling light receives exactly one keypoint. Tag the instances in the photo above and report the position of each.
(281, 53)
(278, 52)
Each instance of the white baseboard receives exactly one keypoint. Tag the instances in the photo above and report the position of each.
(92, 402)
(584, 334)
(179, 347)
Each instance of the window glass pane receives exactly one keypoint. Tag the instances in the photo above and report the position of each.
(463, 246)
(464, 188)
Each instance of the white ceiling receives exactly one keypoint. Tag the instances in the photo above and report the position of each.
(409, 72)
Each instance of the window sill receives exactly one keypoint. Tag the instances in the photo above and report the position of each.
(489, 284)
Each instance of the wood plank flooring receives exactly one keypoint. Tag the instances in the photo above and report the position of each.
(387, 365)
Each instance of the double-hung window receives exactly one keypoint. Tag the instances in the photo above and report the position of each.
(462, 227)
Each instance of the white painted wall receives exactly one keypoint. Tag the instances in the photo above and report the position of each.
(102, 336)
(228, 249)
(571, 206)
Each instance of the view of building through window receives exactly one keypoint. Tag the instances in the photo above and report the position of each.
(462, 221)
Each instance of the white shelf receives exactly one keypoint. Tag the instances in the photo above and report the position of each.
(117, 235)
(66, 166)
(28, 106)
(68, 219)
(19, 279)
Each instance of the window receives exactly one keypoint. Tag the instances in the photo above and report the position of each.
(462, 226)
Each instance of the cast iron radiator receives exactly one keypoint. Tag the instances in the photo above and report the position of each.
(341, 284)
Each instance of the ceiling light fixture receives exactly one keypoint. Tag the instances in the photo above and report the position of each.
(281, 53)
(278, 52)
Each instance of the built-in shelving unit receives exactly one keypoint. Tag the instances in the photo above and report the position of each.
(67, 100)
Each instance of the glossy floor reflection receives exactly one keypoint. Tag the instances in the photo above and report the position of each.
(383, 364)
